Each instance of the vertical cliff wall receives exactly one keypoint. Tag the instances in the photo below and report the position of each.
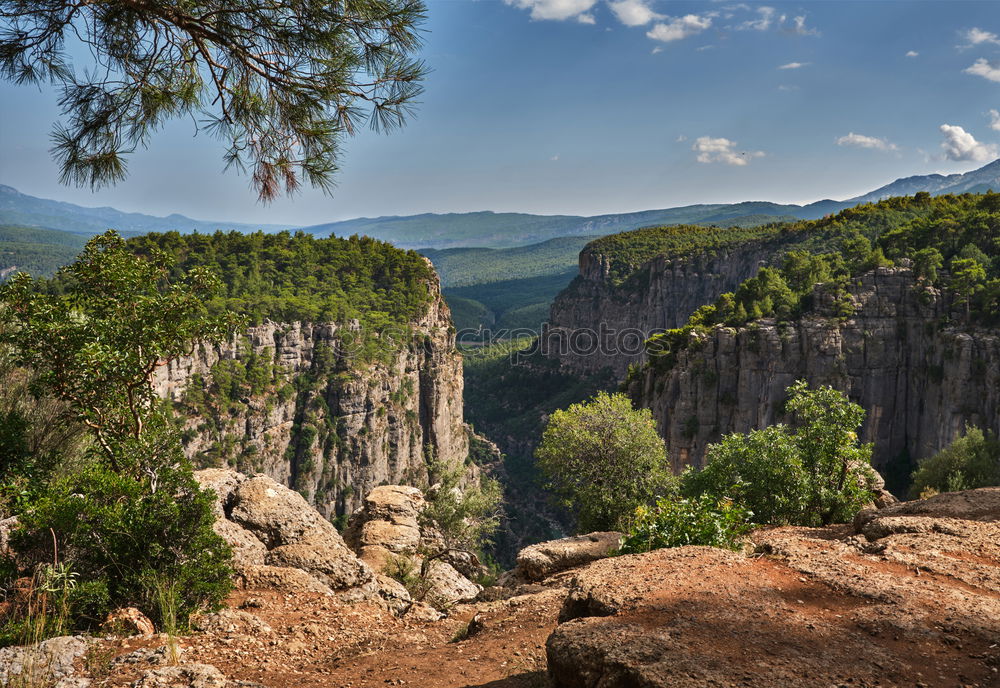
(919, 381)
(595, 324)
(324, 408)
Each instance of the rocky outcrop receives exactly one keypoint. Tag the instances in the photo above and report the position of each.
(49, 662)
(272, 527)
(388, 535)
(538, 562)
(822, 607)
(325, 408)
(595, 324)
(919, 381)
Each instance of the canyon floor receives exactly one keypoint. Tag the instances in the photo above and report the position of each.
(910, 600)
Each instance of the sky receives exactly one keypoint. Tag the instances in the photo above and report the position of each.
(594, 106)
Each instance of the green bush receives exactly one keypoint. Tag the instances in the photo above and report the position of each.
(814, 473)
(971, 461)
(677, 521)
(126, 535)
(604, 459)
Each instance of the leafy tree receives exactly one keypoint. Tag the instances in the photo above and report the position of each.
(926, 263)
(132, 518)
(813, 474)
(967, 278)
(971, 461)
(98, 346)
(604, 459)
(281, 84)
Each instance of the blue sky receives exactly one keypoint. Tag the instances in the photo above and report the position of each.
(590, 106)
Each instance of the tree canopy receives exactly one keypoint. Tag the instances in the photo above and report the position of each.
(280, 83)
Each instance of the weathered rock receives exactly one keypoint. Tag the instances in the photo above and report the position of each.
(537, 562)
(281, 578)
(229, 621)
(389, 518)
(277, 515)
(46, 662)
(187, 676)
(449, 586)
(7, 526)
(129, 620)
(982, 504)
(248, 550)
(327, 560)
(154, 656)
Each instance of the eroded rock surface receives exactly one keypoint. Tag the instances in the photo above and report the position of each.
(915, 605)
(537, 562)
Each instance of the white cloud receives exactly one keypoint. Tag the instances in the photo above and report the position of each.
(985, 69)
(682, 138)
(634, 12)
(794, 65)
(555, 158)
(586, 18)
(960, 145)
(994, 120)
(787, 87)
(912, 53)
(711, 150)
(862, 141)
(657, 49)
(763, 22)
(676, 28)
(799, 27)
(556, 9)
(976, 36)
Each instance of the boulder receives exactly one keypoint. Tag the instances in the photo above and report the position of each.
(389, 518)
(281, 578)
(540, 561)
(231, 621)
(247, 549)
(450, 587)
(129, 620)
(7, 527)
(327, 560)
(982, 504)
(277, 515)
(47, 662)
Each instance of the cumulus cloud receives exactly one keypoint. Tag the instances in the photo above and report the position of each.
(994, 120)
(975, 36)
(557, 9)
(985, 69)
(722, 150)
(676, 28)
(912, 53)
(794, 65)
(586, 18)
(960, 145)
(862, 141)
(634, 12)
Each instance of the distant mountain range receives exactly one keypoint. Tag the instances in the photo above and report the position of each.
(23, 210)
(483, 229)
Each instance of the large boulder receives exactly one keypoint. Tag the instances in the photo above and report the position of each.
(388, 518)
(537, 562)
(982, 504)
(270, 527)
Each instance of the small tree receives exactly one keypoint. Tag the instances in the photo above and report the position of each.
(604, 459)
(813, 473)
(971, 461)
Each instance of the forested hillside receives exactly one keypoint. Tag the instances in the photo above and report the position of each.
(38, 251)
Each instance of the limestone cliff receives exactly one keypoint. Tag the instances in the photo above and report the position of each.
(291, 400)
(595, 324)
(918, 380)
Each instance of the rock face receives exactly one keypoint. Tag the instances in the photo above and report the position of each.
(919, 383)
(271, 528)
(661, 295)
(43, 664)
(823, 607)
(318, 417)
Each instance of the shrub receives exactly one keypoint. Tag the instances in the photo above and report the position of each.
(678, 521)
(812, 474)
(127, 535)
(971, 461)
(604, 459)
